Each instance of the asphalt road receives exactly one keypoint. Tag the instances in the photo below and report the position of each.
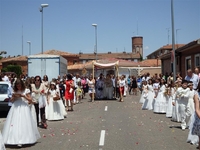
(110, 125)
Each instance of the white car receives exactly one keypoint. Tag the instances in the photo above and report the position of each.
(4, 99)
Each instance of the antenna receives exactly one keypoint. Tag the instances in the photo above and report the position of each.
(168, 34)
(22, 42)
(137, 26)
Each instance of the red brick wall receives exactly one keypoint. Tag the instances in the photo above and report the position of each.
(190, 52)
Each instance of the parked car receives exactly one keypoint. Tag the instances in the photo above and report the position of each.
(4, 99)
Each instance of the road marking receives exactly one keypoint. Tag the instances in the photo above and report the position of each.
(102, 138)
(106, 108)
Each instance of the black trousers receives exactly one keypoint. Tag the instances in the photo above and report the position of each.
(42, 113)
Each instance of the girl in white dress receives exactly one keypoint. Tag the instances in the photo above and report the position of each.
(160, 104)
(144, 92)
(151, 95)
(169, 95)
(156, 87)
(175, 111)
(193, 139)
(19, 127)
(55, 108)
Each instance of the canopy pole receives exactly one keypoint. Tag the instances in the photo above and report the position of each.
(93, 80)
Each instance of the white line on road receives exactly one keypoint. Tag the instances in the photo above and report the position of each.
(106, 108)
(102, 138)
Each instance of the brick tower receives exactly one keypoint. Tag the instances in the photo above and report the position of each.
(137, 45)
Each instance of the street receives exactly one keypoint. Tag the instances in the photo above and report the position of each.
(110, 125)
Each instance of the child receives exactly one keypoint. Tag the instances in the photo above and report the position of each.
(175, 112)
(193, 139)
(169, 95)
(183, 95)
(55, 107)
(148, 104)
(79, 92)
(160, 104)
(156, 87)
(19, 127)
(144, 92)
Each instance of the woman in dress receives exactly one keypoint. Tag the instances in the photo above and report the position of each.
(69, 92)
(55, 107)
(91, 85)
(39, 100)
(19, 127)
(122, 84)
(195, 123)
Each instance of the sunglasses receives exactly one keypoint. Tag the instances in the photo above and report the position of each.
(37, 80)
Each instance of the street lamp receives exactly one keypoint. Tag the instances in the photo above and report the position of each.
(41, 10)
(95, 48)
(29, 42)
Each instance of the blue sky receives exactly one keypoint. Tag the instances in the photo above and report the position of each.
(68, 24)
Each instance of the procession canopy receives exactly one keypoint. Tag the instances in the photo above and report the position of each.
(107, 65)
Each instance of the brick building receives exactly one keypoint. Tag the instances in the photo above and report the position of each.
(187, 57)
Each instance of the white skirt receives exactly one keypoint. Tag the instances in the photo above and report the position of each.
(55, 110)
(20, 127)
(2, 146)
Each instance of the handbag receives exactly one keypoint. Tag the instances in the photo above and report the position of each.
(70, 90)
(55, 98)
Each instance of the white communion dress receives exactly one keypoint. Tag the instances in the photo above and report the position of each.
(55, 110)
(20, 127)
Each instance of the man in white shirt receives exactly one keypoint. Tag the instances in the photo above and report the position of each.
(192, 77)
(196, 71)
(5, 78)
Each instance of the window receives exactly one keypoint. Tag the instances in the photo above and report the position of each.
(74, 61)
(188, 63)
(197, 60)
(3, 88)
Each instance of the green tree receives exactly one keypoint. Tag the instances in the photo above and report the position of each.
(13, 68)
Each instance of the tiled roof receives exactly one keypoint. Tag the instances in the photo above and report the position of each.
(122, 63)
(18, 58)
(151, 62)
(57, 52)
(166, 47)
(110, 55)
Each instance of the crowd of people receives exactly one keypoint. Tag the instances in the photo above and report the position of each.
(178, 99)
(34, 100)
